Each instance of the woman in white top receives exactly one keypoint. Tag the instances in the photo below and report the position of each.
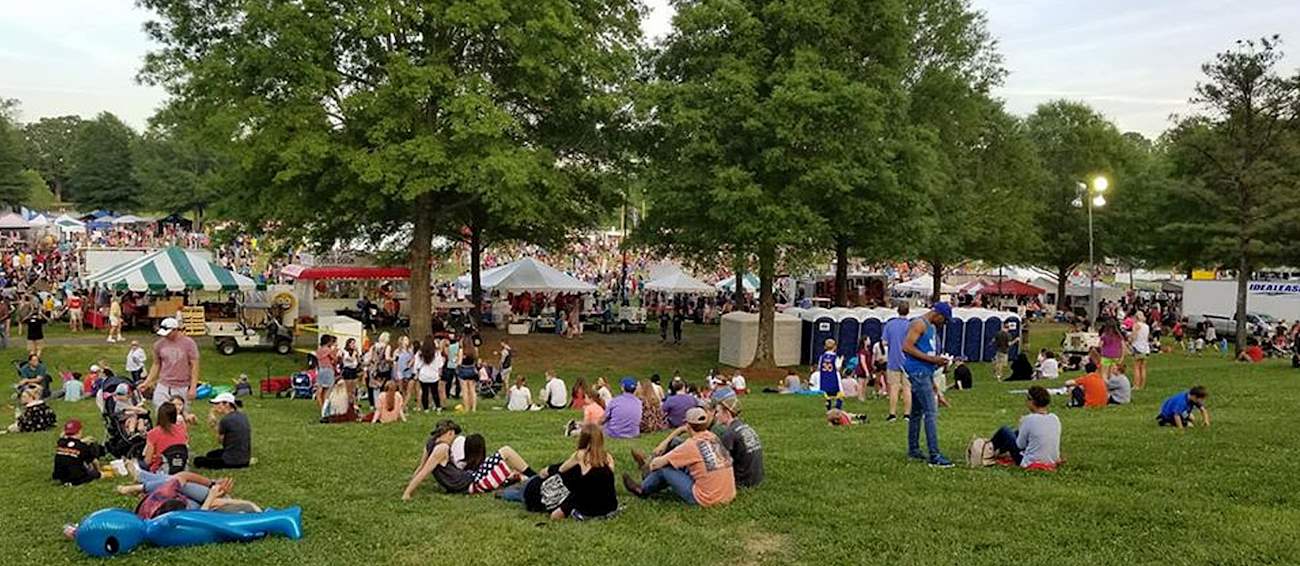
(1140, 340)
(1049, 368)
(602, 389)
(520, 398)
(554, 395)
(428, 371)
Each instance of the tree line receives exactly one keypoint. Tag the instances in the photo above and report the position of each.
(764, 135)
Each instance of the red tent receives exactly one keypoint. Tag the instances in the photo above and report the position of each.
(335, 272)
(1011, 287)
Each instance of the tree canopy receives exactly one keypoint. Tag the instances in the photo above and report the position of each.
(50, 143)
(100, 174)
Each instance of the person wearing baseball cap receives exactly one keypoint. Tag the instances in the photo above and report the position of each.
(698, 470)
(623, 413)
(921, 359)
(75, 458)
(233, 431)
(175, 368)
(741, 442)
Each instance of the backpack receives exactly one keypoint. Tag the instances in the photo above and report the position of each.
(980, 453)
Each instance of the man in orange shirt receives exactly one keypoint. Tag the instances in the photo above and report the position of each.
(698, 470)
(1089, 390)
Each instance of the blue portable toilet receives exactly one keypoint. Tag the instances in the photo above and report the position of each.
(952, 335)
(972, 342)
(873, 326)
(848, 334)
(823, 328)
(1013, 321)
(805, 333)
(992, 325)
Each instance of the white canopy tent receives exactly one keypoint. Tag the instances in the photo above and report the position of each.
(68, 224)
(924, 284)
(39, 220)
(130, 219)
(14, 221)
(729, 284)
(679, 282)
(530, 275)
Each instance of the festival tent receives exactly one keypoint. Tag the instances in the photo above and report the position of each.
(530, 275)
(729, 284)
(679, 283)
(69, 224)
(1011, 287)
(39, 220)
(923, 284)
(13, 221)
(171, 269)
(130, 219)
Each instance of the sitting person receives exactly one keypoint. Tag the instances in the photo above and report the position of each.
(961, 376)
(652, 411)
(622, 418)
(1037, 445)
(1089, 390)
(168, 432)
(741, 442)
(32, 373)
(1177, 410)
(791, 384)
(1118, 388)
(233, 432)
(677, 403)
(1049, 368)
(73, 389)
(1021, 369)
(520, 398)
(32, 414)
(593, 410)
(554, 395)
(127, 412)
(739, 384)
(336, 404)
(840, 417)
(849, 387)
(1252, 354)
(391, 407)
(475, 473)
(698, 470)
(579, 395)
(76, 458)
(582, 487)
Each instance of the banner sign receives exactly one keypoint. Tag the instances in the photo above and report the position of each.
(1273, 288)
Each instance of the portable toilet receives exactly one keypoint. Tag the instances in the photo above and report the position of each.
(952, 335)
(850, 326)
(1013, 321)
(972, 342)
(823, 328)
(992, 325)
(873, 325)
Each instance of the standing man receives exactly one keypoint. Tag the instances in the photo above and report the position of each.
(679, 316)
(74, 312)
(920, 361)
(175, 368)
(893, 334)
(1003, 342)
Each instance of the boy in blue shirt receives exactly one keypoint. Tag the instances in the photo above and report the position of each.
(828, 377)
(1177, 410)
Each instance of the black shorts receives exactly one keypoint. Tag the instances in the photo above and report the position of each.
(448, 375)
(453, 479)
(350, 373)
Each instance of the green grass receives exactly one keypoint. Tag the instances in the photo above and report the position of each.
(1131, 492)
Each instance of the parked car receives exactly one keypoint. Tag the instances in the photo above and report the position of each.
(1257, 324)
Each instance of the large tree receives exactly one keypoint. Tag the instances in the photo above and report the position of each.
(178, 170)
(14, 188)
(1075, 144)
(100, 174)
(1238, 195)
(766, 113)
(372, 118)
(50, 142)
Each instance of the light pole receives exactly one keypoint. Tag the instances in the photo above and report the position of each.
(1092, 193)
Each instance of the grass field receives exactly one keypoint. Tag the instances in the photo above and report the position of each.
(1131, 492)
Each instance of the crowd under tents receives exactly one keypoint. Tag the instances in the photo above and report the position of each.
(170, 269)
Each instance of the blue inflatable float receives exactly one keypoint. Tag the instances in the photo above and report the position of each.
(112, 532)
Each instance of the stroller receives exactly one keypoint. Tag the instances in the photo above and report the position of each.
(119, 443)
(489, 382)
(300, 386)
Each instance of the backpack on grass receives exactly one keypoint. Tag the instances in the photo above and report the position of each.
(980, 453)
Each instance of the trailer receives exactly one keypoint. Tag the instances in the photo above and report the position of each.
(1267, 302)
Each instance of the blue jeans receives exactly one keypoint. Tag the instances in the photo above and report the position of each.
(924, 406)
(516, 492)
(151, 481)
(668, 477)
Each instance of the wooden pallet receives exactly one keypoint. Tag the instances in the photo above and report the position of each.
(193, 321)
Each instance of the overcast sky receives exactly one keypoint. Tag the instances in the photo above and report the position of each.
(1135, 60)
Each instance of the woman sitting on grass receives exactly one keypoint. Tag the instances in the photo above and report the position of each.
(520, 398)
(391, 405)
(593, 412)
(582, 487)
(467, 470)
(653, 418)
(170, 431)
(32, 414)
(1037, 444)
(337, 405)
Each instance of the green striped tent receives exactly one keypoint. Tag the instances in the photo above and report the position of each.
(170, 269)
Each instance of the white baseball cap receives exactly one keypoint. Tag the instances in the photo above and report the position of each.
(168, 325)
(223, 398)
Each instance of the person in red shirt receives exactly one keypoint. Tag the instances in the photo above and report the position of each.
(74, 312)
(1253, 353)
(170, 431)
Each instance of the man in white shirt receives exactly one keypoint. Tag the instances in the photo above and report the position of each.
(1049, 368)
(554, 395)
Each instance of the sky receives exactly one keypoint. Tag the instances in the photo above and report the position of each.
(1136, 61)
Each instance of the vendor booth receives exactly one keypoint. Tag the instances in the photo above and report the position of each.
(329, 290)
(679, 283)
(174, 277)
(531, 277)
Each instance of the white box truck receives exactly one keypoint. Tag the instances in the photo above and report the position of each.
(1267, 302)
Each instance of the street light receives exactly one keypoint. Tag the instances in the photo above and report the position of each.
(1092, 192)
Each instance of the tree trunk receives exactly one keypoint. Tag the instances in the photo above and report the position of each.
(475, 271)
(738, 291)
(1062, 277)
(1244, 270)
(421, 311)
(841, 271)
(198, 218)
(764, 355)
(57, 187)
(936, 273)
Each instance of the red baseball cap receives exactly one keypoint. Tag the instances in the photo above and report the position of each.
(73, 426)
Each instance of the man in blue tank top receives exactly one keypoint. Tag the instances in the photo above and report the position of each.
(920, 361)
